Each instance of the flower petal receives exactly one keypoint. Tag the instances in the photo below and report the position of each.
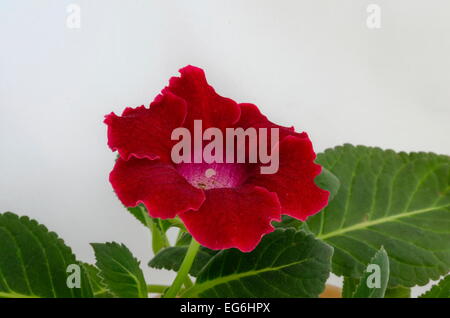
(145, 132)
(157, 185)
(294, 183)
(252, 117)
(203, 102)
(233, 218)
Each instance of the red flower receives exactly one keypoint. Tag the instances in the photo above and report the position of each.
(235, 206)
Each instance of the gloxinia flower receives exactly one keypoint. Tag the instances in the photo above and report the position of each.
(222, 205)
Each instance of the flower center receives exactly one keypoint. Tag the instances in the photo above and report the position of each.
(213, 176)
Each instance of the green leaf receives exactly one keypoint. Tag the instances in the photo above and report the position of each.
(328, 181)
(397, 200)
(290, 222)
(141, 215)
(440, 290)
(120, 270)
(184, 238)
(33, 261)
(378, 265)
(349, 287)
(286, 263)
(171, 258)
(398, 292)
(99, 288)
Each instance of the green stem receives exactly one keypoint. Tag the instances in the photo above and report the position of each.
(184, 270)
(179, 235)
(159, 239)
(157, 288)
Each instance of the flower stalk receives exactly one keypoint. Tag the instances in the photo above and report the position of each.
(182, 274)
(156, 288)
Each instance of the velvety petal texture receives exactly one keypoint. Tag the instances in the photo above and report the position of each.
(252, 117)
(157, 185)
(202, 100)
(223, 205)
(233, 217)
(294, 183)
(145, 132)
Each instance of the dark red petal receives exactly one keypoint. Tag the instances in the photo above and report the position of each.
(145, 132)
(203, 102)
(252, 117)
(294, 183)
(233, 218)
(157, 185)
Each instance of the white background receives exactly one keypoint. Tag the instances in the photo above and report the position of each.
(311, 64)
